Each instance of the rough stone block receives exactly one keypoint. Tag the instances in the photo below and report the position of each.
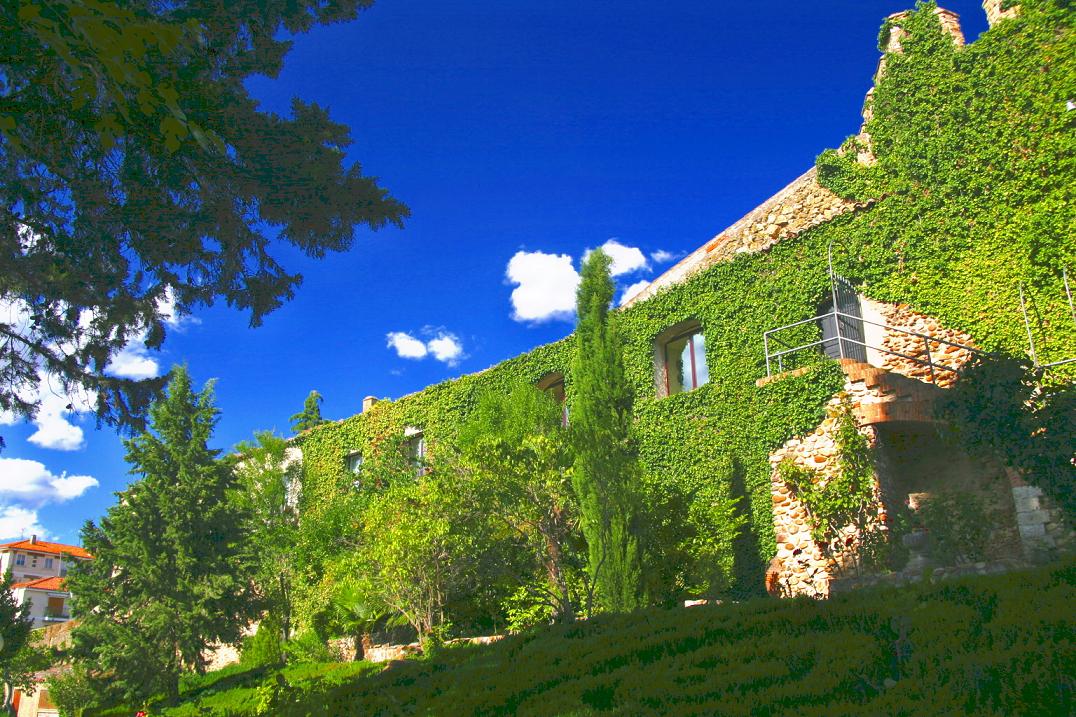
(1025, 503)
(1032, 531)
(1033, 517)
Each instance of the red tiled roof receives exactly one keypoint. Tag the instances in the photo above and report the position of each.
(43, 546)
(53, 583)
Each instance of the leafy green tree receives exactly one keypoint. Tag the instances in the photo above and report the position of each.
(606, 474)
(310, 416)
(19, 659)
(267, 479)
(168, 576)
(73, 691)
(520, 463)
(416, 544)
(139, 178)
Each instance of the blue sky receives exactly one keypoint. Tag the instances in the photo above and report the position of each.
(520, 135)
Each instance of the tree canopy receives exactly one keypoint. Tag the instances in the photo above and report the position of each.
(20, 658)
(310, 416)
(169, 574)
(139, 179)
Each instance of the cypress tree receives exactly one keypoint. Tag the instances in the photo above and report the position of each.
(606, 462)
(167, 577)
(310, 416)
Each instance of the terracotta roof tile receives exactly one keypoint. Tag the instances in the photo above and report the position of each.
(53, 583)
(43, 546)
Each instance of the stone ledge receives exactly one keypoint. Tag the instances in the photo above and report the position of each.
(803, 370)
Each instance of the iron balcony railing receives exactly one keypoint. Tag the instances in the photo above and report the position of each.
(923, 359)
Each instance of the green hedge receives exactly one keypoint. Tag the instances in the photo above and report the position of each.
(998, 645)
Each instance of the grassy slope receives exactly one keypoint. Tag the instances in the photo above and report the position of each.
(1000, 645)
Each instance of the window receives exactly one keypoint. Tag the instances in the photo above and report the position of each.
(20, 559)
(33, 561)
(680, 359)
(353, 463)
(55, 608)
(553, 384)
(48, 563)
(416, 449)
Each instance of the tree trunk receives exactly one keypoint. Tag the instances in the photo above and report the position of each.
(564, 612)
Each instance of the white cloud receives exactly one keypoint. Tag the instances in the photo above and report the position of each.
(446, 348)
(406, 345)
(633, 290)
(53, 429)
(32, 484)
(16, 522)
(166, 307)
(626, 259)
(547, 286)
(133, 361)
(662, 257)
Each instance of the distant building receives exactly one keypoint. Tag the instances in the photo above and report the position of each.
(38, 568)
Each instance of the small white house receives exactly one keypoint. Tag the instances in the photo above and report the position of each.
(38, 568)
(49, 601)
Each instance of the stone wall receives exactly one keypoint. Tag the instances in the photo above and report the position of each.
(801, 567)
(994, 12)
(1043, 530)
(949, 348)
(344, 648)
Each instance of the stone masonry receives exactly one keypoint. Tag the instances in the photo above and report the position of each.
(1042, 528)
(995, 13)
(948, 348)
(801, 566)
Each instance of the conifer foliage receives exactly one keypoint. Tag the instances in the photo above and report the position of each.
(606, 461)
(310, 416)
(167, 578)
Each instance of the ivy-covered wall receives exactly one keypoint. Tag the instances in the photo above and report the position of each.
(973, 187)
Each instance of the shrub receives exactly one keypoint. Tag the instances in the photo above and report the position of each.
(264, 647)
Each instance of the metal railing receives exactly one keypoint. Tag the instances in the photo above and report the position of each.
(1027, 323)
(928, 361)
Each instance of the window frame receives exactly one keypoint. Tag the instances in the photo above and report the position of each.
(351, 465)
(415, 444)
(663, 364)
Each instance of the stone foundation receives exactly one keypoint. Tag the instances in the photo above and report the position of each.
(801, 566)
(1043, 530)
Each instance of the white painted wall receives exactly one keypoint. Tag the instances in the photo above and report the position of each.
(39, 602)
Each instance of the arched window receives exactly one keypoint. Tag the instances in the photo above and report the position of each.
(680, 359)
